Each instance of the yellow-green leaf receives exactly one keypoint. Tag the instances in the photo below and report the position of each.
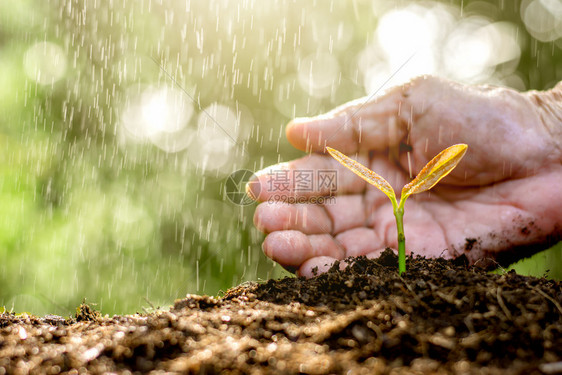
(440, 166)
(363, 172)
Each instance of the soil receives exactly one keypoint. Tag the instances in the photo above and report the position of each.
(438, 317)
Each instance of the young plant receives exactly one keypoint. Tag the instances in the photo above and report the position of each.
(440, 166)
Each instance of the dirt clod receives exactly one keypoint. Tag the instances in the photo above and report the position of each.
(85, 313)
(469, 243)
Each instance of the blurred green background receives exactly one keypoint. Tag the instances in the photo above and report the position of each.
(112, 178)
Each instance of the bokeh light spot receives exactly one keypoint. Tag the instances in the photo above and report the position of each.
(159, 115)
(543, 19)
(45, 63)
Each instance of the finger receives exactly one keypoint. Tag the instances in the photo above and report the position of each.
(377, 253)
(359, 241)
(346, 212)
(316, 266)
(293, 248)
(363, 124)
(326, 245)
(306, 218)
(424, 236)
(311, 176)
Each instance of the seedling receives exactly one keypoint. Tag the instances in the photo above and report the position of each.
(440, 166)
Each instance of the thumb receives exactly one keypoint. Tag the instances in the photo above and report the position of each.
(363, 124)
(371, 123)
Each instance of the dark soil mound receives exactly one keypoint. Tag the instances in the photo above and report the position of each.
(438, 317)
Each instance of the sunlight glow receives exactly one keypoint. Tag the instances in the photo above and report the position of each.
(433, 38)
(409, 34)
(476, 47)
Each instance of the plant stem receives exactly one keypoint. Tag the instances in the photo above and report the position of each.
(399, 215)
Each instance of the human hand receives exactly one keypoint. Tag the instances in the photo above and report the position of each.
(503, 199)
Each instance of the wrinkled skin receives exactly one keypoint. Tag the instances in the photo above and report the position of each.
(504, 194)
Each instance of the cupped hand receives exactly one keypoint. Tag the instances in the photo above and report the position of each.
(502, 201)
